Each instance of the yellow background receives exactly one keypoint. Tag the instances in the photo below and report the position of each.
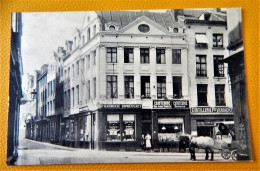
(250, 11)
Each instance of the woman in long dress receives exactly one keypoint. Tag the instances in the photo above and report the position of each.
(148, 142)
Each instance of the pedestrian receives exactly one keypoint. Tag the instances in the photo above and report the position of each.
(143, 142)
(148, 145)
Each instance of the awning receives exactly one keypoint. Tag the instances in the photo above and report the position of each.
(170, 120)
(201, 38)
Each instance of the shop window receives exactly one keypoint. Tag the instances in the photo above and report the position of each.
(67, 130)
(83, 129)
(170, 128)
(176, 56)
(218, 66)
(145, 87)
(160, 56)
(201, 65)
(129, 87)
(111, 86)
(111, 55)
(144, 54)
(128, 55)
(202, 94)
(113, 128)
(177, 86)
(161, 87)
(218, 40)
(128, 127)
(201, 40)
(220, 95)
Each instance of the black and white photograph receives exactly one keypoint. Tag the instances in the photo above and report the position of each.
(138, 86)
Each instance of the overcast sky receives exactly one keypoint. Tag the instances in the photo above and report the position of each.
(43, 33)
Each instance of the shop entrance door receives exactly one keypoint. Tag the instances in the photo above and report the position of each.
(146, 128)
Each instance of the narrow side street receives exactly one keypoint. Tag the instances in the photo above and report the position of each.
(35, 153)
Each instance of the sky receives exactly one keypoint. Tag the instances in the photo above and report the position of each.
(43, 33)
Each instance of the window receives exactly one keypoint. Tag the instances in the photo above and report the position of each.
(83, 66)
(175, 30)
(77, 67)
(144, 54)
(169, 128)
(73, 96)
(65, 100)
(77, 89)
(88, 89)
(218, 66)
(145, 87)
(94, 30)
(83, 92)
(176, 56)
(161, 87)
(128, 127)
(111, 86)
(129, 87)
(83, 40)
(160, 56)
(94, 87)
(88, 63)
(177, 86)
(75, 42)
(128, 55)
(94, 57)
(113, 127)
(143, 28)
(217, 40)
(220, 95)
(73, 72)
(68, 99)
(112, 28)
(201, 40)
(69, 72)
(202, 94)
(111, 55)
(201, 66)
(114, 123)
(88, 34)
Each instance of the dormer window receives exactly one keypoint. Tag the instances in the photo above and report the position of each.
(143, 28)
(175, 30)
(112, 28)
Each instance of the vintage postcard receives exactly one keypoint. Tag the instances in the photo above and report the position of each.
(127, 87)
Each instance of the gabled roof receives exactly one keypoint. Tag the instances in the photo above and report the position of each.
(123, 18)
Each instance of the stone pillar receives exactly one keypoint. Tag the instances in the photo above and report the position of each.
(153, 78)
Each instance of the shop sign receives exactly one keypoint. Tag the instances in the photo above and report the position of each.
(121, 106)
(170, 104)
(198, 110)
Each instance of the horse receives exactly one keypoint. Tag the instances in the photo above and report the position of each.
(206, 143)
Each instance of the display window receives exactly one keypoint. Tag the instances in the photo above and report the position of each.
(120, 127)
(83, 129)
(67, 137)
(113, 128)
(129, 127)
(170, 128)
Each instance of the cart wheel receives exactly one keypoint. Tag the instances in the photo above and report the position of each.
(225, 154)
(234, 155)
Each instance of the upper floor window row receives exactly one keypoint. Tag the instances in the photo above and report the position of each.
(201, 40)
(111, 55)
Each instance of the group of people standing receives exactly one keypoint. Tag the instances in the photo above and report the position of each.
(146, 142)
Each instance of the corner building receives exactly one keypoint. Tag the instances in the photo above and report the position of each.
(129, 73)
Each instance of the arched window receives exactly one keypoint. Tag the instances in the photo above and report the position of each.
(112, 28)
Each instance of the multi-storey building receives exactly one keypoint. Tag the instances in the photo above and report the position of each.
(131, 73)
(209, 89)
(41, 111)
(15, 89)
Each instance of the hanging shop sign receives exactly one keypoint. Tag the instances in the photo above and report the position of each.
(121, 106)
(170, 104)
(198, 110)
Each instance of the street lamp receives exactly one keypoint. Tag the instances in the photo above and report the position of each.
(34, 94)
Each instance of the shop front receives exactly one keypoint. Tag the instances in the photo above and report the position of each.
(204, 118)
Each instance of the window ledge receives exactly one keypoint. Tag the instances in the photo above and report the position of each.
(218, 48)
(222, 78)
(201, 77)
